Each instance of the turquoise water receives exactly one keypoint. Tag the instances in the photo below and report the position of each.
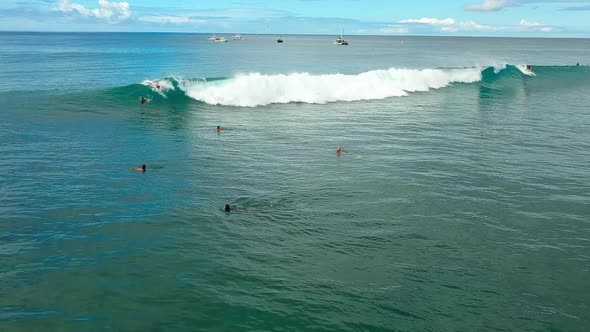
(462, 203)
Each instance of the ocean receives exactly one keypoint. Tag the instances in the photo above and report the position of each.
(461, 203)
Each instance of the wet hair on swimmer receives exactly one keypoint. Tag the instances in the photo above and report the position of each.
(227, 208)
(143, 167)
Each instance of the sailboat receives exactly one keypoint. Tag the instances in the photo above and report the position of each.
(340, 40)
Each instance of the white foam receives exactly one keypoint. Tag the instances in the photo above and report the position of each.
(498, 67)
(165, 85)
(255, 89)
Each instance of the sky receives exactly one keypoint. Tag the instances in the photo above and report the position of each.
(526, 18)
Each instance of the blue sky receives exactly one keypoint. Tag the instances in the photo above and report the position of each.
(549, 18)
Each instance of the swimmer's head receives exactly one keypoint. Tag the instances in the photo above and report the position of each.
(218, 127)
(227, 208)
(143, 167)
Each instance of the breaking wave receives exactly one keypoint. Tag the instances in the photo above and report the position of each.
(256, 89)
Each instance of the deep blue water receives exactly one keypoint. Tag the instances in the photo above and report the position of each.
(462, 202)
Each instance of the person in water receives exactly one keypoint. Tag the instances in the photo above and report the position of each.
(142, 169)
(340, 150)
(219, 129)
(144, 100)
(529, 67)
(228, 208)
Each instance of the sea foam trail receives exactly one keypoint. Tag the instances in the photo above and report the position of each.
(255, 89)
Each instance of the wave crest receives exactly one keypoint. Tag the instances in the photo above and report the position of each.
(255, 89)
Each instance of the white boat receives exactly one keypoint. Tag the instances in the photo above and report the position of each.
(340, 40)
(220, 40)
(239, 37)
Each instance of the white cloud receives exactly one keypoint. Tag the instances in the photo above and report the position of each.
(109, 11)
(535, 26)
(526, 23)
(450, 25)
(387, 30)
(449, 29)
(472, 25)
(393, 30)
(488, 5)
(431, 21)
(170, 19)
(495, 5)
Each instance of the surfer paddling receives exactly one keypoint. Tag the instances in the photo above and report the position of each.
(142, 168)
(229, 208)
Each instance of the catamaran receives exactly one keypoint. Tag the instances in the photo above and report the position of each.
(340, 40)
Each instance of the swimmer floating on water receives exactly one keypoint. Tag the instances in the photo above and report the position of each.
(228, 208)
(219, 129)
(340, 151)
(142, 169)
(144, 100)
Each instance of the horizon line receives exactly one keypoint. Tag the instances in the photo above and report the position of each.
(291, 34)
